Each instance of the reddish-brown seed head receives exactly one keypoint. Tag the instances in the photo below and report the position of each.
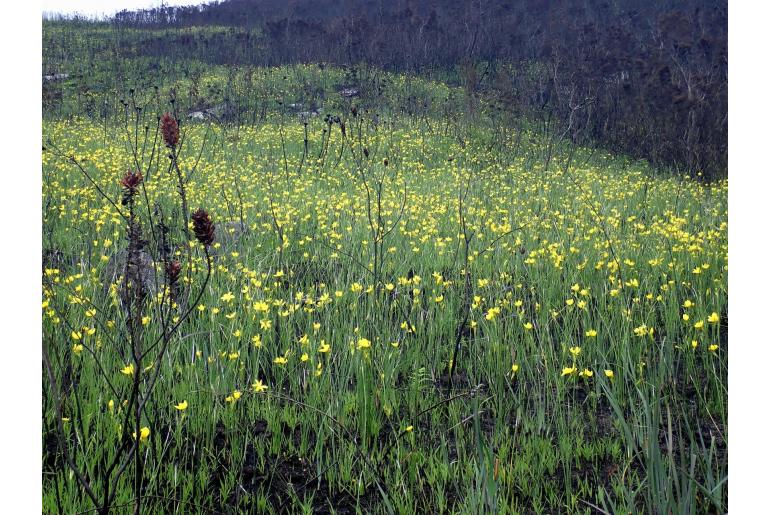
(173, 268)
(170, 129)
(131, 180)
(203, 227)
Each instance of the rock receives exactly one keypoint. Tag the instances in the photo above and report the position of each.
(219, 112)
(116, 268)
(306, 115)
(197, 115)
(350, 92)
(228, 234)
(56, 77)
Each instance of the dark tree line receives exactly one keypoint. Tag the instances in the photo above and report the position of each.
(645, 78)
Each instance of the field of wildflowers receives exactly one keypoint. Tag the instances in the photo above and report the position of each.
(376, 312)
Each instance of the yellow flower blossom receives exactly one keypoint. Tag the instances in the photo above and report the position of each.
(233, 397)
(258, 386)
(144, 434)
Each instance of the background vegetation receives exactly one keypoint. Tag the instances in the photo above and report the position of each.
(647, 79)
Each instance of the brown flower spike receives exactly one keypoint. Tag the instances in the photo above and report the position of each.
(170, 129)
(173, 268)
(131, 181)
(203, 227)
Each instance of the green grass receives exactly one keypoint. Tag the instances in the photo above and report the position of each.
(600, 244)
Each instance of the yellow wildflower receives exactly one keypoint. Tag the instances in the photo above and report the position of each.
(259, 386)
(144, 434)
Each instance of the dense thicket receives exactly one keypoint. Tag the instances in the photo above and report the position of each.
(645, 78)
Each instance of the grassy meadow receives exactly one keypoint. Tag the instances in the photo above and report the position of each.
(401, 312)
